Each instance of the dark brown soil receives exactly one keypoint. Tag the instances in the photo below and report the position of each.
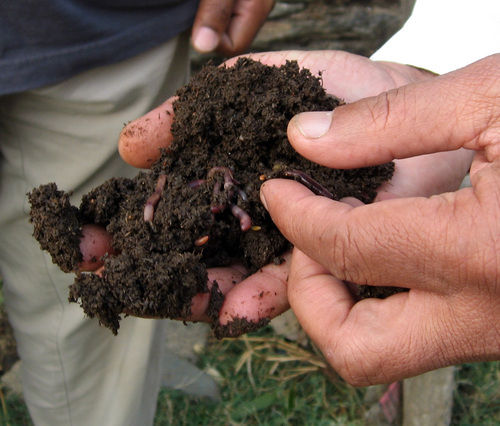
(229, 136)
(8, 351)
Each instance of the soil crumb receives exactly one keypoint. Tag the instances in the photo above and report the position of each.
(198, 206)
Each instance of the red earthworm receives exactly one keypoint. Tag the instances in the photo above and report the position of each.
(196, 183)
(309, 182)
(243, 216)
(152, 201)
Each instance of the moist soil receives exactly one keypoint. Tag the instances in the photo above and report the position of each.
(202, 197)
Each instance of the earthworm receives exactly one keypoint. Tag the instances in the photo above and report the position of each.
(152, 201)
(218, 208)
(309, 182)
(230, 185)
(228, 175)
(196, 183)
(243, 216)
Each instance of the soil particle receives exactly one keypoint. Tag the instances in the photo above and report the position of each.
(229, 136)
(237, 327)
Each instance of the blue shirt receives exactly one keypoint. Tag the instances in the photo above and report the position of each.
(45, 41)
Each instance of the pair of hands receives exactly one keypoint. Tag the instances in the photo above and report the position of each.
(443, 247)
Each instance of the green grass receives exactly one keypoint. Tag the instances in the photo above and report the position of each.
(265, 380)
(260, 385)
(477, 394)
(13, 410)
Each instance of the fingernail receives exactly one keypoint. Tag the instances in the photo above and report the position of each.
(314, 124)
(206, 40)
(262, 198)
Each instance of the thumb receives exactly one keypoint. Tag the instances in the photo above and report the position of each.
(442, 114)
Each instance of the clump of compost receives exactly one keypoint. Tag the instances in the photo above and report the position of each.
(198, 206)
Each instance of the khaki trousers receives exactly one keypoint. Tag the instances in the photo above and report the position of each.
(75, 372)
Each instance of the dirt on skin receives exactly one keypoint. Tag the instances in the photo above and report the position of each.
(198, 206)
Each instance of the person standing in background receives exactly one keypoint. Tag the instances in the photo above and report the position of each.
(71, 73)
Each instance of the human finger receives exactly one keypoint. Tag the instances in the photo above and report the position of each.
(94, 244)
(225, 278)
(247, 18)
(210, 23)
(390, 243)
(443, 113)
(371, 341)
(251, 301)
(315, 289)
(261, 295)
(141, 140)
(427, 175)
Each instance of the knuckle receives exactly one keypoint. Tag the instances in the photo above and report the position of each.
(355, 250)
(299, 228)
(384, 106)
(343, 251)
(380, 111)
(479, 91)
(483, 266)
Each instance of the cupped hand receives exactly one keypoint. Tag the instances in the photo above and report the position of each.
(348, 76)
(259, 296)
(228, 27)
(443, 248)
